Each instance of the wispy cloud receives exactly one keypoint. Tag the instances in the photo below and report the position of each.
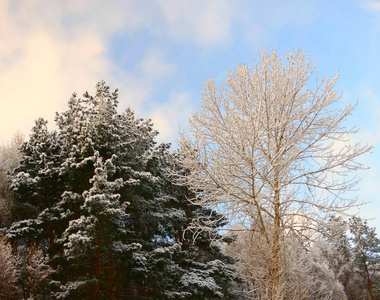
(153, 66)
(167, 116)
(39, 69)
(207, 23)
(50, 49)
(372, 5)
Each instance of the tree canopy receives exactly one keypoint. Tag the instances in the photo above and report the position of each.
(269, 151)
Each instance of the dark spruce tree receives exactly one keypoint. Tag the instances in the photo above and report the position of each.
(95, 197)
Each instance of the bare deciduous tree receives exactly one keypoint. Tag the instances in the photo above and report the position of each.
(9, 273)
(270, 153)
(305, 268)
(34, 272)
(9, 159)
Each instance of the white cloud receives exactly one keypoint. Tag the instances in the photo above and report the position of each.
(43, 77)
(70, 18)
(51, 49)
(171, 116)
(138, 85)
(27, 89)
(371, 5)
(208, 23)
(262, 20)
(152, 66)
(134, 92)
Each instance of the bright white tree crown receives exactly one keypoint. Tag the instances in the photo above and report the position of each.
(268, 131)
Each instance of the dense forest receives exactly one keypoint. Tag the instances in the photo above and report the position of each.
(96, 209)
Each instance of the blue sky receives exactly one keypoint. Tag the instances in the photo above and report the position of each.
(159, 53)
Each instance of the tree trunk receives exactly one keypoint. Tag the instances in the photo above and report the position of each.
(111, 291)
(276, 243)
(51, 244)
(97, 273)
(368, 279)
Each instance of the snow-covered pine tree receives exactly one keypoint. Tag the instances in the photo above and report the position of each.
(57, 170)
(99, 202)
(92, 125)
(96, 245)
(36, 189)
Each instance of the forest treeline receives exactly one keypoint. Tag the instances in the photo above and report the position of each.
(92, 210)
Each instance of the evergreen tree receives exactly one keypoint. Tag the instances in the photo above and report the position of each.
(58, 175)
(366, 249)
(95, 244)
(352, 250)
(37, 187)
(95, 197)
